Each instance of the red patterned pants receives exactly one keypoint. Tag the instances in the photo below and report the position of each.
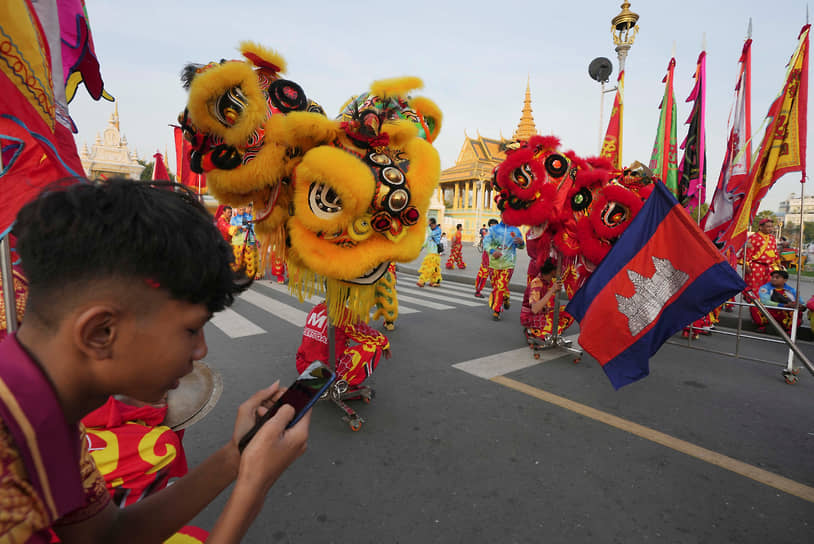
(483, 273)
(455, 257)
(759, 274)
(500, 288)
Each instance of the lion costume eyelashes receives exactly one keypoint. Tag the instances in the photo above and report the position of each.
(340, 199)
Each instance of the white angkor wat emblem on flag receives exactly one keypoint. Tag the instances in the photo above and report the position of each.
(651, 294)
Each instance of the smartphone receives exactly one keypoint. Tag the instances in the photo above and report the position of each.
(303, 393)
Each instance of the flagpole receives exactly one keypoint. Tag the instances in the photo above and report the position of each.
(601, 116)
(790, 362)
(7, 277)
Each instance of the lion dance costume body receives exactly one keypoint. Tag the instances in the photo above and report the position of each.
(339, 200)
(576, 208)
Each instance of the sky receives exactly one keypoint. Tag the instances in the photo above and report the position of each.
(475, 59)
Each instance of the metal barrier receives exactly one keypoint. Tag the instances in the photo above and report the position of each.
(790, 373)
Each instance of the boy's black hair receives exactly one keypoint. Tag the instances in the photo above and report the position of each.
(548, 266)
(780, 273)
(458, 226)
(493, 222)
(155, 231)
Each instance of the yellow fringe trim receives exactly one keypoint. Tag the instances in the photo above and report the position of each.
(346, 303)
(273, 240)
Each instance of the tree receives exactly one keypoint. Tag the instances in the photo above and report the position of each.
(760, 215)
(147, 173)
(808, 231)
(694, 212)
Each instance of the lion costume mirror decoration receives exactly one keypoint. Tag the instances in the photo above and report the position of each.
(340, 199)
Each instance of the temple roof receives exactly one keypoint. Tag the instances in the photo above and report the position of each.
(480, 155)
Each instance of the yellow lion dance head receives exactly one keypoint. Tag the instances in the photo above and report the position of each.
(342, 198)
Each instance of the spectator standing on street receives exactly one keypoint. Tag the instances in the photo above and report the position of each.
(502, 243)
(483, 271)
(455, 254)
(761, 259)
(430, 271)
(223, 218)
(444, 243)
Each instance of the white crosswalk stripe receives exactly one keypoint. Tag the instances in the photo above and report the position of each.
(418, 291)
(274, 306)
(235, 325)
(283, 305)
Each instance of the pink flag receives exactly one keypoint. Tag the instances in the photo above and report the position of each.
(732, 182)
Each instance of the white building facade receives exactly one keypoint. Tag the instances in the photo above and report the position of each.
(789, 209)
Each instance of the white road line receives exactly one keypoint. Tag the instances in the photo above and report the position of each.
(422, 302)
(433, 293)
(509, 361)
(235, 325)
(445, 284)
(273, 306)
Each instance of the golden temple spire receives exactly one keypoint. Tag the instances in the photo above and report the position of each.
(526, 129)
(114, 119)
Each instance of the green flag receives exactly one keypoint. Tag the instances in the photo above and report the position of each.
(664, 161)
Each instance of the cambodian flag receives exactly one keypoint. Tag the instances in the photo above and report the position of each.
(662, 274)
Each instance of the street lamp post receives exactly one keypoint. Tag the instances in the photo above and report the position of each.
(624, 30)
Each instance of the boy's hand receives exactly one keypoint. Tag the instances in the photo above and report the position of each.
(274, 447)
(247, 413)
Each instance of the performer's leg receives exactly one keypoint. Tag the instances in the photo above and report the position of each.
(496, 296)
(436, 275)
(506, 293)
(426, 270)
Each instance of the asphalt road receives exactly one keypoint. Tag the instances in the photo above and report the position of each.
(470, 439)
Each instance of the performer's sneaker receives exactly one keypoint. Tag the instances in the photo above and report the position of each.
(420, 284)
(389, 326)
(435, 284)
(496, 316)
(506, 304)
(479, 295)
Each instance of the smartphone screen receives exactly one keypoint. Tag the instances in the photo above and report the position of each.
(301, 395)
(306, 389)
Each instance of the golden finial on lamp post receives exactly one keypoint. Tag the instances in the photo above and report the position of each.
(624, 30)
(621, 27)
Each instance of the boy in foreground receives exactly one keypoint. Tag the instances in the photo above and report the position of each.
(122, 279)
